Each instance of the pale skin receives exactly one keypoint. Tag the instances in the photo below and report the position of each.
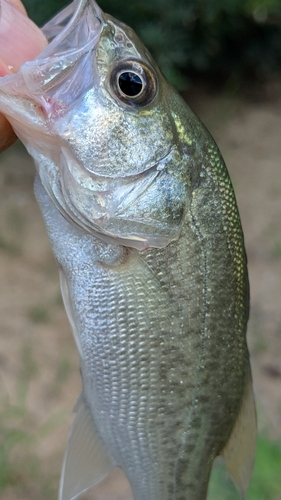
(20, 41)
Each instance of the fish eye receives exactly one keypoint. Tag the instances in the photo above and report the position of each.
(130, 83)
(134, 83)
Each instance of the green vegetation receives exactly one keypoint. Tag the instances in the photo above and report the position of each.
(12, 230)
(42, 312)
(9, 247)
(39, 313)
(277, 250)
(266, 480)
(20, 470)
(227, 38)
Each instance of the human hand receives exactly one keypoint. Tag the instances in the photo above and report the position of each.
(20, 41)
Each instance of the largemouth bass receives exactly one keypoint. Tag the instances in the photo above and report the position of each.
(144, 225)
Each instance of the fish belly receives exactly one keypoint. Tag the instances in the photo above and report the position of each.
(163, 360)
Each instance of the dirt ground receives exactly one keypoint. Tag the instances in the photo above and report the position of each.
(39, 373)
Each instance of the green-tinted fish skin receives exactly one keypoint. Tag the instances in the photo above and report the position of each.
(163, 331)
(153, 269)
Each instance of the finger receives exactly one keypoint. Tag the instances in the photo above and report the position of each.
(7, 135)
(20, 39)
(18, 5)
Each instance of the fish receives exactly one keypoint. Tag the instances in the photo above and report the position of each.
(143, 222)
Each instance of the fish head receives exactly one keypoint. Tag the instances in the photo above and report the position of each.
(102, 124)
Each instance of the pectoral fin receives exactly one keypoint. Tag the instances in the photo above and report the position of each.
(69, 310)
(86, 461)
(239, 452)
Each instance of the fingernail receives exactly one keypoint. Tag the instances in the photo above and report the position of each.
(20, 39)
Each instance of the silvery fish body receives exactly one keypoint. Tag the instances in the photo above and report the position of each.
(143, 222)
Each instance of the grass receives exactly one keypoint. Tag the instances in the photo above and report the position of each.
(39, 313)
(10, 247)
(266, 479)
(22, 476)
(12, 231)
(277, 250)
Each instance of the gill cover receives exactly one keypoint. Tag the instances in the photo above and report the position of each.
(90, 111)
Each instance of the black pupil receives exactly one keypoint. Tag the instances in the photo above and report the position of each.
(130, 83)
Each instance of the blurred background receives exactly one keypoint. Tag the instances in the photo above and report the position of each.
(225, 57)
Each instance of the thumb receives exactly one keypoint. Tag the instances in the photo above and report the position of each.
(20, 39)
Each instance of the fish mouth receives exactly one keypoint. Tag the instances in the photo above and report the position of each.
(50, 80)
(66, 21)
(80, 19)
(137, 210)
(73, 36)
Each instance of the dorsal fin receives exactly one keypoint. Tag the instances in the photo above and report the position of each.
(86, 461)
(239, 452)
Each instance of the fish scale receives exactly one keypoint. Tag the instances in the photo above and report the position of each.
(124, 361)
(143, 222)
